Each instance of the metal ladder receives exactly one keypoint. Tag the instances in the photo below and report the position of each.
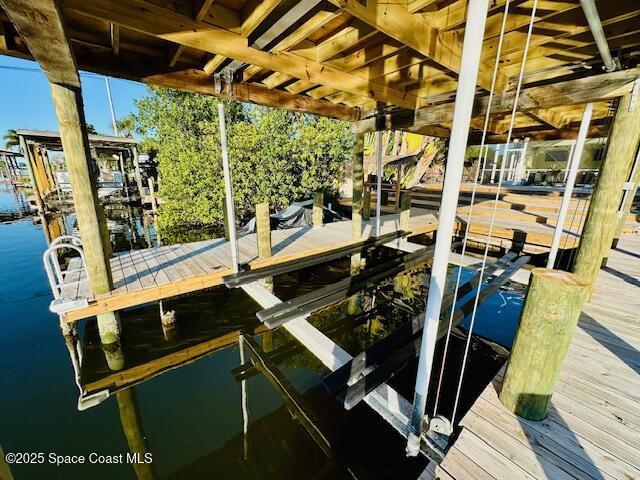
(57, 277)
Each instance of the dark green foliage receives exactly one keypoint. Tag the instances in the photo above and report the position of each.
(11, 139)
(276, 156)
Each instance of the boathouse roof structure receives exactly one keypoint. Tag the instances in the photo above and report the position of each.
(343, 58)
(51, 140)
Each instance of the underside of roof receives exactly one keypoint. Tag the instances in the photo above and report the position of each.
(375, 62)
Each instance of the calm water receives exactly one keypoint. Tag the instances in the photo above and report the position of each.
(190, 418)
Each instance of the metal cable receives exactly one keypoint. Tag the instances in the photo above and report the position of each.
(493, 216)
(473, 196)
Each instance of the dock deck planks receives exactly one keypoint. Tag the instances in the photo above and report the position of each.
(142, 276)
(593, 427)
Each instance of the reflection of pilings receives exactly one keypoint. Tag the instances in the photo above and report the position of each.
(132, 427)
(245, 404)
(157, 231)
(5, 470)
(147, 231)
(113, 354)
(167, 321)
(291, 397)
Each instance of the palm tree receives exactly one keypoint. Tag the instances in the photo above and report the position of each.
(126, 125)
(11, 139)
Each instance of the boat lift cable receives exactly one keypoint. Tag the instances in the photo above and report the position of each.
(582, 204)
(473, 196)
(493, 215)
(378, 180)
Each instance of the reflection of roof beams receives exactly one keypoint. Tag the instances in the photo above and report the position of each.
(140, 373)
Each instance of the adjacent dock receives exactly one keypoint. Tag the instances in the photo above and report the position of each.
(593, 427)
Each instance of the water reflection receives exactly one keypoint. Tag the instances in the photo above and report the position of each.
(187, 394)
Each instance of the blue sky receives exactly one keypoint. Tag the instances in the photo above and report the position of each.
(26, 99)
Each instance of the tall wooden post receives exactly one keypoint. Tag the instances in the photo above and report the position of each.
(398, 184)
(136, 171)
(225, 220)
(627, 199)
(356, 197)
(89, 212)
(405, 210)
(32, 175)
(597, 234)
(318, 209)
(263, 228)
(549, 318)
(152, 194)
(366, 203)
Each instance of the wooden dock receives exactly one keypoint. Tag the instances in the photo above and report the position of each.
(523, 221)
(593, 427)
(151, 274)
(147, 275)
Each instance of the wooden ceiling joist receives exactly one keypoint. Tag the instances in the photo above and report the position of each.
(146, 17)
(394, 20)
(340, 57)
(571, 92)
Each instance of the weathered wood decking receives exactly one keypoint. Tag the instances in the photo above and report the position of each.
(524, 222)
(142, 276)
(593, 428)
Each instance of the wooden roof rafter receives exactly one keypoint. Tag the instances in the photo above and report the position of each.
(339, 58)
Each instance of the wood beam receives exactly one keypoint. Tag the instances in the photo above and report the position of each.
(176, 55)
(572, 92)
(548, 116)
(146, 17)
(45, 37)
(213, 64)
(567, 133)
(197, 81)
(200, 9)
(413, 31)
(331, 47)
(255, 12)
(115, 38)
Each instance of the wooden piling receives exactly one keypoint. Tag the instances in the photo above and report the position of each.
(137, 174)
(366, 203)
(318, 213)
(356, 198)
(89, 213)
(75, 142)
(32, 176)
(263, 228)
(599, 226)
(152, 194)
(358, 185)
(225, 220)
(549, 318)
(405, 210)
(398, 185)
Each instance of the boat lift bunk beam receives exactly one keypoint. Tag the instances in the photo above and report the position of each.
(383, 399)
